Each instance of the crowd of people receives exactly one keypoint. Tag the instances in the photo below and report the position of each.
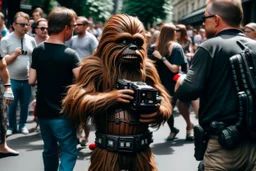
(40, 58)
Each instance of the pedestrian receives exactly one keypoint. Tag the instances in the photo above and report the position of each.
(169, 56)
(53, 67)
(210, 78)
(84, 43)
(250, 30)
(6, 97)
(17, 48)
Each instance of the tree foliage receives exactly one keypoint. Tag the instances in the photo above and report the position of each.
(147, 11)
(99, 10)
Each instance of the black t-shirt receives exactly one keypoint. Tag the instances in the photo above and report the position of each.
(53, 64)
(210, 78)
(166, 76)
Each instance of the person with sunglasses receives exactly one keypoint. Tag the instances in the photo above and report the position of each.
(84, 43)
(17, 49)
(210, 77)
(40, 30)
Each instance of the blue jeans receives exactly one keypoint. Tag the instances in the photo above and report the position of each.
(22, 93)
(58, 134)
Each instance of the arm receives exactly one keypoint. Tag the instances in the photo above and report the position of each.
(4, 75)
(11, 57)
(172, 67)
(190, 86)
(165, 108)
(76, 71)
(32, 76)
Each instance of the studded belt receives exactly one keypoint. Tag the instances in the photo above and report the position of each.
(127, 144)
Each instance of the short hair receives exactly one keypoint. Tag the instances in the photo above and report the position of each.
(230, 11)
(58, 18)
(84, 20)
(39, 10)
(35, 24)
(20, 14)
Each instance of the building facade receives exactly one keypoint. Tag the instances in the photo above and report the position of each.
(190, 12)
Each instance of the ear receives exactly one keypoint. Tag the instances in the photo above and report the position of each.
(66, 29)
(218, 20)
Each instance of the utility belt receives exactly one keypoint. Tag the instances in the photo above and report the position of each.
(126, 144)
(229, 137)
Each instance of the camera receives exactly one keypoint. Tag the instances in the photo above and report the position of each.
(228, 137)
(24, 52)
(145, 97)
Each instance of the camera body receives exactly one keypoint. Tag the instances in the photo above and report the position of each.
(145, 98)
(24, 52)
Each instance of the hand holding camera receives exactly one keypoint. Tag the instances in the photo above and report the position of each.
(125, 95)
(146, 99)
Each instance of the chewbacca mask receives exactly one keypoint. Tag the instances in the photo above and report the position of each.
(122, 135)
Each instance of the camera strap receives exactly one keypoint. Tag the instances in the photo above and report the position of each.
(21, 43)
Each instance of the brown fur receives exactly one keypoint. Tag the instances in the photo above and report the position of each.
(94, 93)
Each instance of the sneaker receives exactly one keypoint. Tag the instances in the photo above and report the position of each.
(24, 131)
(9, 132)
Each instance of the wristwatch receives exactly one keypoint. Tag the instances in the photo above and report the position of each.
(163, 59)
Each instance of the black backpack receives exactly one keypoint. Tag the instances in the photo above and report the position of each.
(244, 75)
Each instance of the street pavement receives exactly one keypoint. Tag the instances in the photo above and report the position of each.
(174, 155)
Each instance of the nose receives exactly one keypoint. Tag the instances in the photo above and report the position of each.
(133, 47)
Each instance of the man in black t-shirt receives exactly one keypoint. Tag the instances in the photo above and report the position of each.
(53, 67)
(210, 78)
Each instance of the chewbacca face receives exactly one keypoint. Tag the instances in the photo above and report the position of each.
(123, 42)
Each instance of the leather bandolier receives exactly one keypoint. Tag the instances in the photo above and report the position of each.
(124, 133)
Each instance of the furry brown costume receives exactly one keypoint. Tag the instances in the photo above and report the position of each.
(121, 54)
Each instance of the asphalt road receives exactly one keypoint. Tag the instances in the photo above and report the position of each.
(176, 155)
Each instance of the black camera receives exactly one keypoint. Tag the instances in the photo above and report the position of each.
(145, 98)
(228, 137)
(24, 52)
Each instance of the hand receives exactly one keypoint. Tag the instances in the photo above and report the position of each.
(149, 117)
(124, 95)
(8, 96)
(179, 81)
(17, 52)
(157, 55)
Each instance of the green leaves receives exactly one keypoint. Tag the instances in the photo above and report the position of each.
(147, 11)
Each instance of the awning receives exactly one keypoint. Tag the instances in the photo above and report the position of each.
(194, 17)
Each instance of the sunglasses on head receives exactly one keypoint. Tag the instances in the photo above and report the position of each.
(23, 24)
(43, 28)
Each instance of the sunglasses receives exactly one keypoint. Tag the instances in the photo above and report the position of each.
(80, 24)
(205, 17)
(43, 28)
(178, 30)
(23, 24)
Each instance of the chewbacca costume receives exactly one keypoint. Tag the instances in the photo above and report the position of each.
(122, 135)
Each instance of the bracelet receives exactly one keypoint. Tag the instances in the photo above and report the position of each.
(163, 59)
(7, 84)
